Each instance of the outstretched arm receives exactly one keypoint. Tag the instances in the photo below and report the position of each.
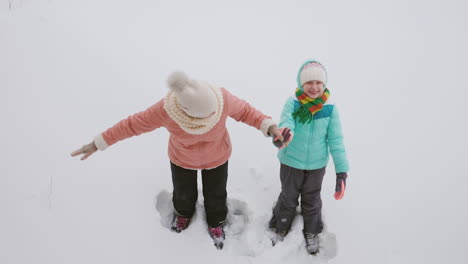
(242, 111)
(287, 124)
(134, 125)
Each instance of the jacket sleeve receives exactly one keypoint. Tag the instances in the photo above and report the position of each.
(287, 119)
(136, 124)
(242, 111)
(335, 143)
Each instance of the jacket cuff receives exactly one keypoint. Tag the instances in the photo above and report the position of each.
(266, 124)
(100, 143)
(342, 175)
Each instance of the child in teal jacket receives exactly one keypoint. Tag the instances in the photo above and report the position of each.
(313, 126)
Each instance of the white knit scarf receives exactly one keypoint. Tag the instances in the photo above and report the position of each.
(189, 124)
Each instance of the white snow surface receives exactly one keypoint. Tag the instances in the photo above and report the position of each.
(70, 69)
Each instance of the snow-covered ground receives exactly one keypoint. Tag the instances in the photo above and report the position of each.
(70, 69)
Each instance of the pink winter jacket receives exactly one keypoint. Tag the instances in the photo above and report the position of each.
(208, 150)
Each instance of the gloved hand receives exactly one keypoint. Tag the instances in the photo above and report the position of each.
(86, 150)
(340, 185)
(287, 137)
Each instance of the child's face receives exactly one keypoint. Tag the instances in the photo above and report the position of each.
(313, 89)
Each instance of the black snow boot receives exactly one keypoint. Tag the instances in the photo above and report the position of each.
(312, 243)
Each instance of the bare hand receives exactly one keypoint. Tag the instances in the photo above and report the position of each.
(86, 150)
(275, 132)
(287, 137)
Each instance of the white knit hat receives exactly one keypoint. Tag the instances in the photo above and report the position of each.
(195, 98)
(313, 71)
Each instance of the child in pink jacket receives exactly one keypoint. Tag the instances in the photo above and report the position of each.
(194, 112)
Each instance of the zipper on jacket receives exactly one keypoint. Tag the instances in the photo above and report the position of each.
(310, 141)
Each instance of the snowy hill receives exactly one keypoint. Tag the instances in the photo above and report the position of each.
(70, 69)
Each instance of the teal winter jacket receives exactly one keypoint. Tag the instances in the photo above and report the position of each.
(312, 142)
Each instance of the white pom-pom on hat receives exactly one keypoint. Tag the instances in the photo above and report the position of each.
(177, 81)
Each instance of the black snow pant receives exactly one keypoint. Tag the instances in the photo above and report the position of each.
(295, 183)
(185, 192)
